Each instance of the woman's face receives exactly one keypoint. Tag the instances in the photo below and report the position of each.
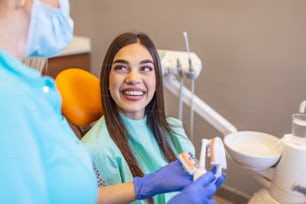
(132, 81)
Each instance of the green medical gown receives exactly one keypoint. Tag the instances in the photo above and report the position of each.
(111, 163)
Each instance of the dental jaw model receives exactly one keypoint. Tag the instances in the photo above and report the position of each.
(211, 148)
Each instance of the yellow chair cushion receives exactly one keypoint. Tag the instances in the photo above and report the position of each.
(80, 92)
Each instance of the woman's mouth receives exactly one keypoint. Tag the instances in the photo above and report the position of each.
(133, 93)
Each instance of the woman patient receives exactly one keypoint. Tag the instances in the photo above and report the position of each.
(134, 137)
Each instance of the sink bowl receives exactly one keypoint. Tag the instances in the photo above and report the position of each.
(253, 150)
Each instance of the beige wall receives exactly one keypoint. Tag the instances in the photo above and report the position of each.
(253, 53)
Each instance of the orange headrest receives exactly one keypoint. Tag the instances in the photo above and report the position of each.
(80, 91)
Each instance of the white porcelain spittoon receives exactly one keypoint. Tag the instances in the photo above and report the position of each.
(253, 150)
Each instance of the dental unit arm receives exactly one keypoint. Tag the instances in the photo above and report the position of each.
(169, 62)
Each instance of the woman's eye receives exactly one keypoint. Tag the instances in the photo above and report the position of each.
(120, 68)
(147, 69)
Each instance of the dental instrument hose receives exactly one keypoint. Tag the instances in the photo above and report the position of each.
(190, 75)
(181, 104)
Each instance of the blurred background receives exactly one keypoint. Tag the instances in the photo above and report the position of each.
(253, 55)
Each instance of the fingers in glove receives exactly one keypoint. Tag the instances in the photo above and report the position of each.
(211, 201)
(220, 180)
(210, 190)
(178, 166)
(203, 194)
(206, 179)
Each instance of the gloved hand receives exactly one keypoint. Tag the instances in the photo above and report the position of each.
(169, 178)
(201, 191)
(220, 180)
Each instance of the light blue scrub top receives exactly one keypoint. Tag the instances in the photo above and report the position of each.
(111, 163)
(43, 162)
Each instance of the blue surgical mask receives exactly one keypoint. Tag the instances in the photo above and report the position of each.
(51, 29)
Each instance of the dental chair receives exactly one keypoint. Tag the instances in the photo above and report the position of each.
(81, 98)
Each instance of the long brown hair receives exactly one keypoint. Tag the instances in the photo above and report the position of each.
(154, 111)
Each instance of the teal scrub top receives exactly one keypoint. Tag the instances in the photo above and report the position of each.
(43, 162)
(111, 163)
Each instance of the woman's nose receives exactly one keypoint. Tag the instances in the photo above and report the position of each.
(132, 78)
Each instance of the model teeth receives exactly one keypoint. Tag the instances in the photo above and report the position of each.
(134, 93)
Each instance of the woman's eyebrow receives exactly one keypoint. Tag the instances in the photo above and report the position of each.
(126, 62)
(146, 61)
(120, 61)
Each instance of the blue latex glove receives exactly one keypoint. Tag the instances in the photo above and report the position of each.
(220, 180)
(201, 191)
(169, 178)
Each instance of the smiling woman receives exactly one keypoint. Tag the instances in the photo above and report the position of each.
(134, 137)
(132, 80)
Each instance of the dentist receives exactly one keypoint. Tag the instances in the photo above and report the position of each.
(42, 160)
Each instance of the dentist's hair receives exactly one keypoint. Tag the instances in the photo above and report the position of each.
(38, 63)
(154, 111)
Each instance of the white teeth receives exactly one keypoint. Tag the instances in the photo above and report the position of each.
(133, 93)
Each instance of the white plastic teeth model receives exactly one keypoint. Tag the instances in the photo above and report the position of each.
(190, 163)
(217, 155)
(215, 151)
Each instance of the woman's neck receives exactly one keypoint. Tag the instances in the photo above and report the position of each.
(133, 116)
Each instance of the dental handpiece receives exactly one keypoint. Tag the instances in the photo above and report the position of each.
(188, 51)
